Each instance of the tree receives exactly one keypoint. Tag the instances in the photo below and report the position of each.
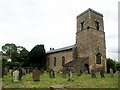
(18, 54)
(8, 49)
(110, 64)
(24, 57)
(117, 66)
(37, 56)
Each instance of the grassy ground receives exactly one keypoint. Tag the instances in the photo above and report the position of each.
(84, 81)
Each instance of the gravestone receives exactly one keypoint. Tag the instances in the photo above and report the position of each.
(20, 73)
(15, 75)
(102, 73)
(36, 74)
(23, 71)
(111, 72)
(14, 68)
(28, 70)
(52, 73)
(93, 75)
(70, 77)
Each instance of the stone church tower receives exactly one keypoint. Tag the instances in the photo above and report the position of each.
(90, 39)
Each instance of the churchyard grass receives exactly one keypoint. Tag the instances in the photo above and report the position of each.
(83, 81)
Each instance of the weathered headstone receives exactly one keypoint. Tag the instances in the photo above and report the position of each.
(111, 72)
(70, 77)
(15, 75)
(20, 73)
(28, 70)
(52, 73)
(36, 74)
(23, 71)
(93, 75)
(14, 68)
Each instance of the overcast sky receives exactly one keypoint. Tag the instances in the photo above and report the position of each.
(53, 22)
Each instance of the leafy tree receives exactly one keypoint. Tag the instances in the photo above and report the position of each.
(37, 56)
(24, 57)
(110, 64)
(4, 61)
(9, 48)
(117, 65)
(18, 54)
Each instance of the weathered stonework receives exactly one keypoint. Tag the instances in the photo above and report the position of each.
(59, 54)
(90, 41)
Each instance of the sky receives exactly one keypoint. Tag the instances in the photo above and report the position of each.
(53, 22)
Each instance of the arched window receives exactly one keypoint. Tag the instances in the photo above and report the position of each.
(97, 24)
(54, 61)
(63, 61)
(98, 58)
(82, 25)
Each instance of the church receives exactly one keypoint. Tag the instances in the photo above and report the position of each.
(89, 51)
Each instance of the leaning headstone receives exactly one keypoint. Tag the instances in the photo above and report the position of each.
(70, 77)
(111, 72)
(36, 74)
(52, 73)
(15, 75)
(93, 75)
(102, 73)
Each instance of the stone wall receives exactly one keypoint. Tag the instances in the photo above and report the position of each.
(90, 38)
(68, 55)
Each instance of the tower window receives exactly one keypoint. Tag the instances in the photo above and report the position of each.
(63, 61)
(97, 24)
(82, 25)
(54, 61)
(98, 58)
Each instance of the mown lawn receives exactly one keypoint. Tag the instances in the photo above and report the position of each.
(84, 81)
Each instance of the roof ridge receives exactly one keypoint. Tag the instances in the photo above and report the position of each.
(61, 49)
